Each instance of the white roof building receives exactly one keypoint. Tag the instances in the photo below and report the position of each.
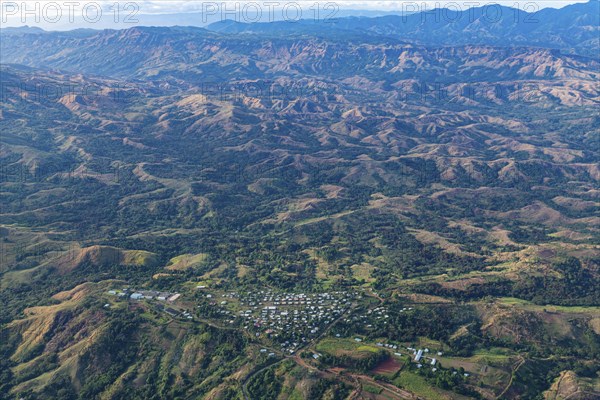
(419, 355)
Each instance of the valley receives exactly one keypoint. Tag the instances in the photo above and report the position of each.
(396, 195)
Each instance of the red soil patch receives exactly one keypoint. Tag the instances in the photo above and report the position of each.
(389, 366)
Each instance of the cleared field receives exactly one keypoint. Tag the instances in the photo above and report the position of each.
(418, 385)
(340, 347)
(362, 272)
(526, 305)
(186, 261)
(388, 367)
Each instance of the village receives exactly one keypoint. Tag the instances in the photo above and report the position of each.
(369, 317)
(288, 319)
(284, 321)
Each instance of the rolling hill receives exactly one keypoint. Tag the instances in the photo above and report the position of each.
(445, 176)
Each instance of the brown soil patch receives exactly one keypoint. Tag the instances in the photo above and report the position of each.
(463, 284)
(389, 366)
(546, 253)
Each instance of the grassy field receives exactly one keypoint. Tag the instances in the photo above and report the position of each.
(363, 272)
(550, 308)
(418, 385)
(338, 347)
(491, 367)
(482, 360)
(186, 261)
(371, 388)
(432, 345)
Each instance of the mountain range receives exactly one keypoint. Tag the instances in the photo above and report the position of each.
(442, 176)
(573, 28)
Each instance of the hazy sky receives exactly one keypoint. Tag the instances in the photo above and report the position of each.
(120, 14)
(174, 6)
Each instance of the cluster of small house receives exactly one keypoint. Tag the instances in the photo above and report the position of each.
(293, 319)
(270, 298)
(422, 355)
(145, 294)
(265, 351)
(378, 313)
(389, 346)
(289, 319)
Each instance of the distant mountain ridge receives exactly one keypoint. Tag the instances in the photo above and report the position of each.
(575, 28)
(196, 55)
